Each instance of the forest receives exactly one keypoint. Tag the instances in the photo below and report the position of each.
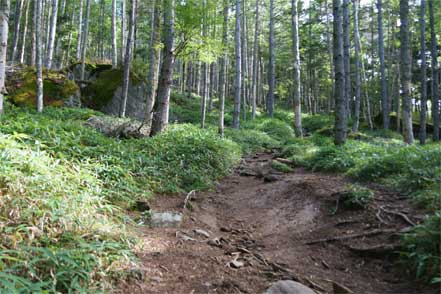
(220, 146)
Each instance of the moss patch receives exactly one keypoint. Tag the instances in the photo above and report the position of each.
(56, 88)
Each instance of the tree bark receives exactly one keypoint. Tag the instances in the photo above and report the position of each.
(357, 68)
(271, 65)
(18, 14)
(85, 35)
(347, 57)
(331, 63)
(80, 29)
(255, 60)
(123, 29)
(160, 117)
(114, 29)
(4, 30)
(33, 35)
(384, 97)
(423, 113)
(25, 32)
(223, 70)
(238, 79)
(297, 90)
(339, 93)
(52, 32)
(405, 72)
(434, 72)
(38, 56)
(204, 70)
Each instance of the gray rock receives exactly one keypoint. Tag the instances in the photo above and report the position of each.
(136, 101)
(165, 219)
(289, 287)
(118, 127)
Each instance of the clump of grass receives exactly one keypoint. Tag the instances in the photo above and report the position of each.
(280, 166)
(356, 197)
(252, 141)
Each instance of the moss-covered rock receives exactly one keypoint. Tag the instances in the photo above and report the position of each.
(58, 90)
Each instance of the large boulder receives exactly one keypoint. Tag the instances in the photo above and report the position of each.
(58, 89)
(118, 127)
(289, 287)
(103, 92)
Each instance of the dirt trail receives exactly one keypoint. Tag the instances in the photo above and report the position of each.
(259, 222)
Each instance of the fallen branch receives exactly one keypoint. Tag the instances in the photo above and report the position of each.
(353, 236)
(402, 215)
(188, 198)
(381, 249)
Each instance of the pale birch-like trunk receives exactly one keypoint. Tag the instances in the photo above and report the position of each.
(297, 93)
(52, 33)
(4, 30)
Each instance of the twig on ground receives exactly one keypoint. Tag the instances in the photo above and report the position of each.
(341, 238)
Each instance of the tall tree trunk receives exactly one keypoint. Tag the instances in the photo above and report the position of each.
(204, 70)
(297, 93)
(384, 97)
(52, 32)
(357, 69)
(25, 32)
(33, 35)
(160, 117)
(85, 35)
(271, 65)
(123, 29)
(128, 58)
(238, 79)
(38, 56)
(405, 72)
(339, 93)
(4, 30)
(114, 37)
(255, 60)
(422, 131)
(152, 78)
(223, 70)
(18, 14)
(347, 57)
(80, 29)
(244, 50)
(331, 63)
(434, 72)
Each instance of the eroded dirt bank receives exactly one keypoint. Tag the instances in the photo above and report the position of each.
(259, 226)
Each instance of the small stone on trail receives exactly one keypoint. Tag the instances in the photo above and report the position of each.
(165, 219)
(289, 287)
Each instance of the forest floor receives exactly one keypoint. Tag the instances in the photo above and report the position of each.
(263, 226)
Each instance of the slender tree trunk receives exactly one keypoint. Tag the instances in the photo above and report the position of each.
(18, 14)
(160, 117)
(272, 65)
(384, 97)
(204, 70)
(114, 29)
(405, 72)
(347, 57)
(434, 72)
(52, 32)
(422, 131)
(33, 35)
(25, 32)
(339, 93)
(85, 35)
(244, 62)
(255, 60)
(38, 56)
(223, 70)
(4, 30)
(297, 90)
(123, 29)
(152, 78)
(331, 63)
(357, 68)
(238, 79)
(128, 58)
(80, 29)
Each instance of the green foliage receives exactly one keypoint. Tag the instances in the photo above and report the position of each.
(356, 197)
(277, 129)
(312, 123)
(280, 166)
(421, 249)
(252, 141)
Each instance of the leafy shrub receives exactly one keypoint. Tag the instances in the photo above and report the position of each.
(421, 249)
(251, 141)
(312, 123)
(276, 129)
(280, 166)
(356, 197)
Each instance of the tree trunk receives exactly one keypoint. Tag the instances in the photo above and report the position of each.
(38, 56)
(223, 70)
(331, 63)
(114, 29)
(405, 72)
(52, 32)
(271, 65)
(123, 29)
(357, 69)
(160, 117)
(434, 72)
(255, 61)
(80, 29)
(384, 97)
(296, 100)
(339, 93)
(18, 14)
(204, 70)
(85, 35)
(347, 57)
(422, 131)
(25, 32)
(238, 79)
(244, 58)
(4, 30)
(33, 35)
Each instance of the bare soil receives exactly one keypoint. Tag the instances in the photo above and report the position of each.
(262, 228)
